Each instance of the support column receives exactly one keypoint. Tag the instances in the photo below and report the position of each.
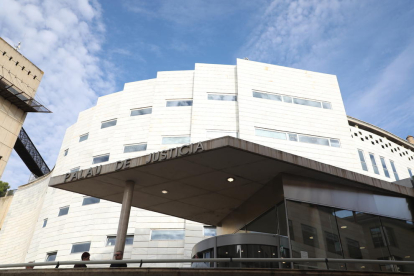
(124, 217)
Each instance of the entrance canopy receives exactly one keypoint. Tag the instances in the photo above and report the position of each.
(207, 181)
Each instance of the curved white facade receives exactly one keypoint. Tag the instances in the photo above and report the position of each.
(272, 102)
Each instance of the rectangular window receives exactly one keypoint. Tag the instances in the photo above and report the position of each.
(167, 235)
(83, 137)
(90, 200)
(332, 243)
(377, 238)
(63, 211)
(307, 102)
(134, 148)
(211, 134)
(374, 163)
(270, 134)
(80, 247)
(210, 231)
(109, 123)
(44, 223)
(310, 235)
(75, 169)
(100, 158)
(180, 103)
(390, 235)
(362, 159)
(141, 111)
(335, 143)
(314, 140)
(110, 241)
(51, 256)
(65, 152)
(394, 170)
(287, 99)
(176, 140)
(354, 250)
(223, 97)
(326, 105)
(293, 137)
(410, 172)
(267, 96)
(384, 167)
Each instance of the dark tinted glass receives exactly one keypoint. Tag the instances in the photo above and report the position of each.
(83, 137)
(100, 159)
(90, 200)
(63, 211)
(44, 223)
(143, 111)
(179, 103)
(134, 148)
(108, 124)
(51, 257)
(80, 247)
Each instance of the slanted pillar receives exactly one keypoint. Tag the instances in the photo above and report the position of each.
(124, 217)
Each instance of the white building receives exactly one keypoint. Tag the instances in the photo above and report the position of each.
(295, 111)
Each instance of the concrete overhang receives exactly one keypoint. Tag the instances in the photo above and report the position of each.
(195, 177)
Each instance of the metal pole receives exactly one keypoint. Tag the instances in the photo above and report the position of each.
(124, 216)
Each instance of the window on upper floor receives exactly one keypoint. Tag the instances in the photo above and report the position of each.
(374, 163)
(111, 240)
(100, 158)
(313, 140)
(75, 169)
(394, 170)
(80, 247)
(51, 256)
(167, 234)
(135, 147)
(83, 137)
(222, 97)
(66, 152)
(108, 123)
(326, 105)
(63, 211)
(307, 102)
(267, 96)
(44, 223)
(210, 231)
(410, 172)
(211, 134)
(362, 159)
(90, 200)
(171, 103)
(384, 167)
(141, 111)
(176, 140)
(270, 134)
(310, 235)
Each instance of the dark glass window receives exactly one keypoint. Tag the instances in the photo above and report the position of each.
(362, 159)
(354, 249)
(291, 233)
(333, 244)
(310, 235)
(180, 103)
(326, 105)
(81, 247)
(100, 159)
(51, 256)
(134, 148)
(224, 97)
(108, 124)
(384, 167)
(110, 241)
(377, 237)
(66, 152)
(90, 200)
(44, 223)
(63, 211)
(84, 137)
(143, 111)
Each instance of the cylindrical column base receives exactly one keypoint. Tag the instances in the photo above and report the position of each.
(124, 217)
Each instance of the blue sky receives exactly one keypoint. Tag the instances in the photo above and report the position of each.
(91, 48)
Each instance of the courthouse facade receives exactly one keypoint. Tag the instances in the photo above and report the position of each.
(295, 166)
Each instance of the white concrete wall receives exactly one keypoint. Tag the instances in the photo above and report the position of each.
(95, 222)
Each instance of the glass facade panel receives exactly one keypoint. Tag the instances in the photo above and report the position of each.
(363, 230)
(293, 137)
(307, 102)
(217, 97)
(180, 103)
(51, 257)
(176, 140)
(270, 134)
(108, 124)
(315, 234)
(335, 143)
(374, 163)
(287, 99)
(384, 167)
(63, 211)
(143, 111)
(84, 137)
(100, 159)
(90, 200)
(362, 159)
(394, 170)
(313, 140)
(267, 96)
(266, 223)
(326, 105)
(65, 152)
(248, 251)
(410, 172)
(167, 234)
(81, 247)
(134, 148)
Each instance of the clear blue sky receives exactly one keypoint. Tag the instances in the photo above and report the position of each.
(91, 48)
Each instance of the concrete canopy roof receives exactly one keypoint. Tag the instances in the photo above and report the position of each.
(197, 183)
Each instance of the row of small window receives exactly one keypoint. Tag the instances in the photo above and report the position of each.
(289, 99)
(179, 234)
(383, 164)
(298, 137)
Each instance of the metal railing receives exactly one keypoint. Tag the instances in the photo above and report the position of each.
(218, 260)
